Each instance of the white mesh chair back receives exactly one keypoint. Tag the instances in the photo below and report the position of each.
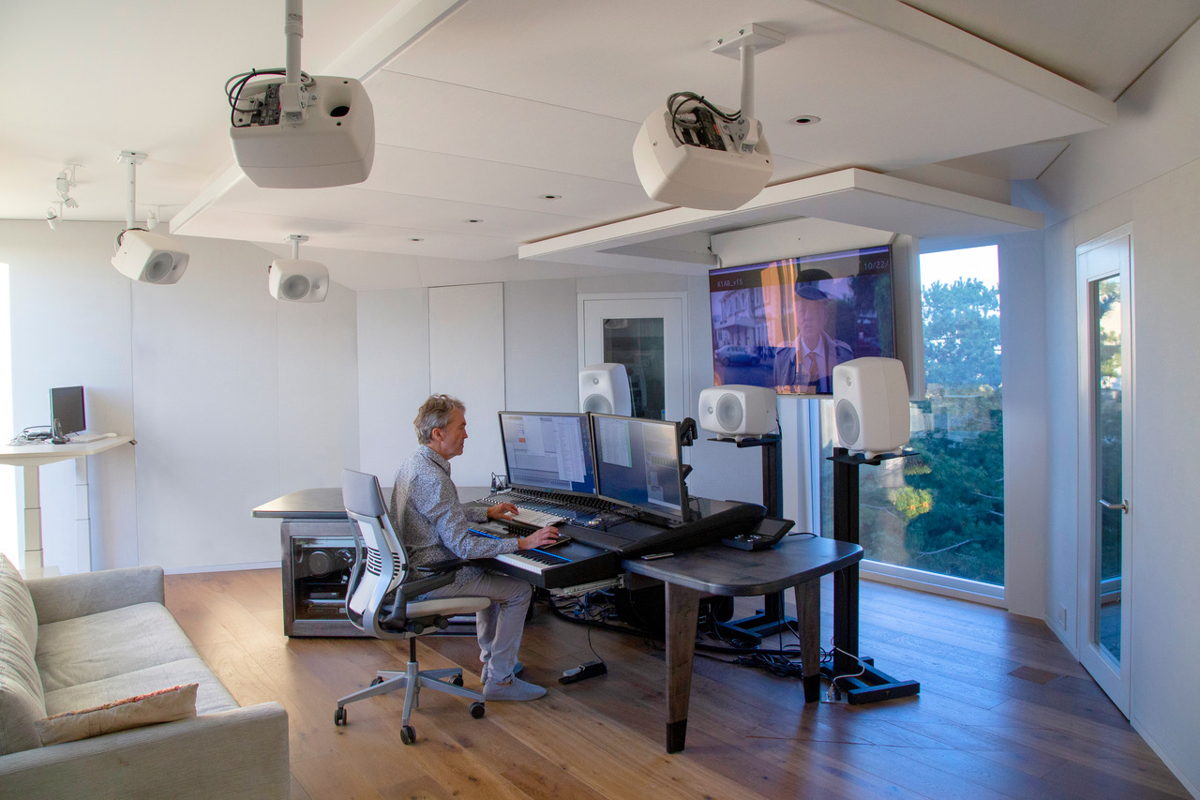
(382, 563)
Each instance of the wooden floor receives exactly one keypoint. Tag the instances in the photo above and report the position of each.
(1004, 712)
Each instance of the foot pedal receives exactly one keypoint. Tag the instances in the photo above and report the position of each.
(589, 670)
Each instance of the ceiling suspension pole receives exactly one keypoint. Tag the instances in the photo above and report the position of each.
(747, 59)
(293, 31)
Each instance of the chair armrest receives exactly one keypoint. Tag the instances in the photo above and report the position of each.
(69, 596)
(449, 565)
(242, 753)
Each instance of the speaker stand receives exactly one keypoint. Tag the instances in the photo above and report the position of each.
(772, 619)
(866, 683)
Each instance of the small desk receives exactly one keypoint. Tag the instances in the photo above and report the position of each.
(32, 456)
(797, 562)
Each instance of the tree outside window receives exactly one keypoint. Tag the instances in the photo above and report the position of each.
(943, 512)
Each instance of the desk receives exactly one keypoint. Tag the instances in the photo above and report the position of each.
(797, 562)
(32, 456)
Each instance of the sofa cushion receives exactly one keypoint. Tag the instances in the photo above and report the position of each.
(210, 698)
(165, 705)
(99, 646)
(16, 606)
(21, 699)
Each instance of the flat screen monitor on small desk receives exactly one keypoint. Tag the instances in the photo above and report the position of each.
(638, 464)
(66, 412)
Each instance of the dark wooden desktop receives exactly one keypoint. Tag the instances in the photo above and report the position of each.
(797, 562)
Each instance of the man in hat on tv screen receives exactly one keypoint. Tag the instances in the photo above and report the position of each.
(807, 366)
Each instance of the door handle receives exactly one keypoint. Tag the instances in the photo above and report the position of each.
(1121, 506)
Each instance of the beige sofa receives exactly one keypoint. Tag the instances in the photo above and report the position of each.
(78, 641)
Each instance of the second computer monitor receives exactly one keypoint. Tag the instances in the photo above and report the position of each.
(638, 464)
(548, 451)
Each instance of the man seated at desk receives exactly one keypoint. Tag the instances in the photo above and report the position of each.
(434, 527)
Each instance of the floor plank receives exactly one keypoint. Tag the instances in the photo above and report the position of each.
(1004, 711)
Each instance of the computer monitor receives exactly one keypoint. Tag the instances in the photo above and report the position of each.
(638, 464)
(548, 451)
(66, 411)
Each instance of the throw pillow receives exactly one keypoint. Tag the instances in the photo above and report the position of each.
(165, 705)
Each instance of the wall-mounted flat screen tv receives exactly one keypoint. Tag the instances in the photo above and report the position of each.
(786, 324)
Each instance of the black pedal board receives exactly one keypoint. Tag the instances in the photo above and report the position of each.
(589, 670)
(769, 531)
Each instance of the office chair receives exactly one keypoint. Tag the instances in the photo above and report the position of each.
(379, 602)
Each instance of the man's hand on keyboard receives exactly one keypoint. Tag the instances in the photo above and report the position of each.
(539, 538)
(502, 511)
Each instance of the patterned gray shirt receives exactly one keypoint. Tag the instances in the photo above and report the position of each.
(428, 518)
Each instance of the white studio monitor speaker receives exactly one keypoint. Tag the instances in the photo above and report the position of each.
(604, 389)
(870, 405)
(297, 280)
(149, 257)
(333, 146)
(738, 411)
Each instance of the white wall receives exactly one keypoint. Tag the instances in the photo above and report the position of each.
(1144, 170)
(393, 374)
(466, 360)
(1023, 334)
(70, 326)
(232, 397)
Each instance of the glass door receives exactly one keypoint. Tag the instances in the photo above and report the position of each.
(1105, 522)
(646, 334)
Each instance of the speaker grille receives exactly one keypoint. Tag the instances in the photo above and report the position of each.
(294, 287)
(159, 267)
(849, 428)
(729, 412)
(597, 404)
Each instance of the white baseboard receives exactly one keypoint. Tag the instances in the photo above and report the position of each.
(872, 574)
(1191, 787)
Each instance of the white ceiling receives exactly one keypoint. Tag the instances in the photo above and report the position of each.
(483, 107)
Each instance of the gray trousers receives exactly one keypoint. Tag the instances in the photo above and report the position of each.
(499, 626)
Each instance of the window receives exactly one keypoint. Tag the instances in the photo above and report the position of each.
(939, 518)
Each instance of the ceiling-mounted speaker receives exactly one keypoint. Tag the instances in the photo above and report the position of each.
(738, 411)
(149, 257)
(870, 405)
(297, 280)
(604, 389)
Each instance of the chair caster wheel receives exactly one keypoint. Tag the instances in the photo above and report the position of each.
(407, 734)
(378, 680)
(457, 680)
(478, 710)
(339, 716)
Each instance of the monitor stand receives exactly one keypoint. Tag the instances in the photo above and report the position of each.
(771, 619)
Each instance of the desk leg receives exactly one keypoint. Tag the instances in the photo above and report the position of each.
(683, 609)
(30, 531)
(808, 610)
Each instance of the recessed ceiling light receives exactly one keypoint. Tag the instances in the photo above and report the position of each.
(552, 197)
(474, 220)
(416, 239)
(806, 119)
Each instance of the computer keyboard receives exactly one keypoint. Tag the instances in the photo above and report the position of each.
(538, 519)
(527, 516)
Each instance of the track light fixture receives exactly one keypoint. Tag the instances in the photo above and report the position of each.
(141, 255)
(64, 183)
